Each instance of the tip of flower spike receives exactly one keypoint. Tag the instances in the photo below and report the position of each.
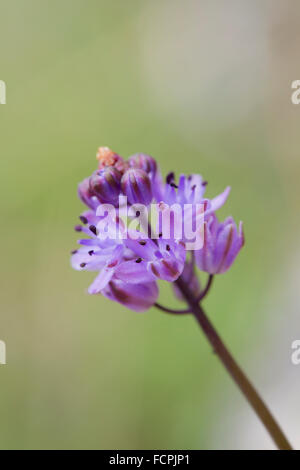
(106, 157)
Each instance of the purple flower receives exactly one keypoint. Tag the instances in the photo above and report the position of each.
(136, 185)
(106, 185)
(129, 264)
(143, 162)
(184, 208)
(133, 261)
(163, 259)
(137, 297)
(190, 190)
(85, 194)
(222, 243)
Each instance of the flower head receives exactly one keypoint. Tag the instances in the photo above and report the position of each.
(130, 264)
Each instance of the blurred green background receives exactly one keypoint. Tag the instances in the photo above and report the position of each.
(203, 87)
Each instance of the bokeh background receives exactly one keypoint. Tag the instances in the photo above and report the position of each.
(203, 86)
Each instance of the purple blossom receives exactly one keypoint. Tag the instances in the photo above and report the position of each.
(136, 185)
(143, 162)
(132, 261)
(86, 195)
(222, 243)
(190, 190)
(137, 297)
(105, 184)
(129, 266)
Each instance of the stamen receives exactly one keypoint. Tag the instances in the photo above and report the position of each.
(73, 252)
(78, 228)
(83, 219)
(139, 260)
(168, 248)
(91, 252)
(170, 177)
(93, 229)
(142, 242)
(138, 213)
(174, 185)
(82, 265)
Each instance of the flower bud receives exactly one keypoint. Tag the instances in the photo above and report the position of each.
(85, 193)
(143, 162)
(222, 243)
(138, 297)
(105, 184)
(136, 185)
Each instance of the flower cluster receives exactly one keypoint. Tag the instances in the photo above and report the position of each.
(129, 266)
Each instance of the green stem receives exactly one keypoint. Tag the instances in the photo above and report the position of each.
(234, 370)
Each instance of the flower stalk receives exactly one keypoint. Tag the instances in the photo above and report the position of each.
(234, 370)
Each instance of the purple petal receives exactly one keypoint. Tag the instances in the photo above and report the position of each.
(143, 247)
(138, 297)
(219, 200)
(134, 272)
(166, 269)
(101, 281)
(82, 260)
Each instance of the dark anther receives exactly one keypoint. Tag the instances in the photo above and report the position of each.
(137, 213)
(160, 235)
(78, 228)
(93, 229)
(142, 242)
(168, 248)
(91, 252)
(204, 183)
(83, 219)
(139, 260)
(193, 187)
(174, 185)
(73, 252)
(82, 265)
(170, 177)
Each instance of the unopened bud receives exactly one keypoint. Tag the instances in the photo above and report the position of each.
(85, 193)
(105, 184)
(143, 162)
(136, 185)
